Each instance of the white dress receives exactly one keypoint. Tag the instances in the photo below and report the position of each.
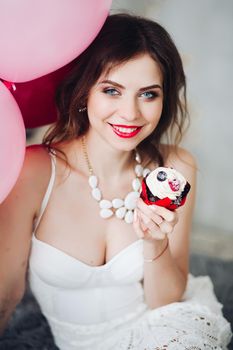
(103, 307)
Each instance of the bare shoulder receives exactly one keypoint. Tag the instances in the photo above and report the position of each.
(36, 167)
(33, 179)
(35, 153)
(181, 160)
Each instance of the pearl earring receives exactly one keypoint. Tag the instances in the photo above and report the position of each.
(82, 109)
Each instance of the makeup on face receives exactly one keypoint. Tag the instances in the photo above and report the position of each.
(125, 105)
(125, 131)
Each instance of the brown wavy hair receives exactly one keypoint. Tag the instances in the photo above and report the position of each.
(122, 38)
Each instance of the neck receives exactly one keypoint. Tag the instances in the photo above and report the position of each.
(105, 161)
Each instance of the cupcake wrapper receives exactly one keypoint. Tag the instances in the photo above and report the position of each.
(166, 202)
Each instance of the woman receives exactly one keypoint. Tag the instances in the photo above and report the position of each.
(106, 276)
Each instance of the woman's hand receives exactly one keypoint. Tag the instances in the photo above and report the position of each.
(152, 222)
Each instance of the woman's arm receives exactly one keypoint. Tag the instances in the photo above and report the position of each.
(165, 277)
(16, 218)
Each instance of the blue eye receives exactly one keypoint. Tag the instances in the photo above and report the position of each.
(149, 95)
(111, 91)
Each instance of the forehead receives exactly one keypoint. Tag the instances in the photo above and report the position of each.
(141, 71)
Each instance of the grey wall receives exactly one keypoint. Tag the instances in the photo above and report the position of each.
(203, 32)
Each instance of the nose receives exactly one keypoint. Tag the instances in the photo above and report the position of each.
(129, 109)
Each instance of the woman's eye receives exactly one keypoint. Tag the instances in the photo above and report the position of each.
(149, 95)
(111, 91)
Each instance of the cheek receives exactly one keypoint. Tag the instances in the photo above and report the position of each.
(98, 106)
(153, 113)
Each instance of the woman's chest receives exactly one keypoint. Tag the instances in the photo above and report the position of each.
(72, 223)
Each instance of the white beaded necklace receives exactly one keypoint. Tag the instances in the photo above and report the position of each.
(121, 208)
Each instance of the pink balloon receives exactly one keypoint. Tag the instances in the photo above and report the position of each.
(38, 37)
(12, 141)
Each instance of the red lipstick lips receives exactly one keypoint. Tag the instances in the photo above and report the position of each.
(126, 131)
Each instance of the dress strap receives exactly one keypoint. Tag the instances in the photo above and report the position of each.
(48, 190)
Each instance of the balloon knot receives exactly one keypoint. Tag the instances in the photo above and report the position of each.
(9, 85)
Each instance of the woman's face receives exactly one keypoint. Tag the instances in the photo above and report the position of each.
(125, 106)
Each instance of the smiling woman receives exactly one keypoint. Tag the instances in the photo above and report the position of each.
(119, 99)
(108, 271)
(159, 65)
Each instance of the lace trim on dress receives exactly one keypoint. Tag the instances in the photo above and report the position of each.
(176, 326)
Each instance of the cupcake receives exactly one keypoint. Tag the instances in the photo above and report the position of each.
(165, 187)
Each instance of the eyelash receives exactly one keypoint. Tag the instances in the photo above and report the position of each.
(114, 92)
(153, 95)
(109, 90)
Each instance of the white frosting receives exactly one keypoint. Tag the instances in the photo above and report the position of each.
(172, 187)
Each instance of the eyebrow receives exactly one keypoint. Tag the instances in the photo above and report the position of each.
(154, 86)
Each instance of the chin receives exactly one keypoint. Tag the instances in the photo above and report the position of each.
(125, 146)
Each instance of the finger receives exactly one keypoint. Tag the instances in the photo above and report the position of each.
(154, 235)
(141, 224)
(166, 214)
(149, 212)
(147, 222)
(152, 229)
(137, 226)
(166, 227)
